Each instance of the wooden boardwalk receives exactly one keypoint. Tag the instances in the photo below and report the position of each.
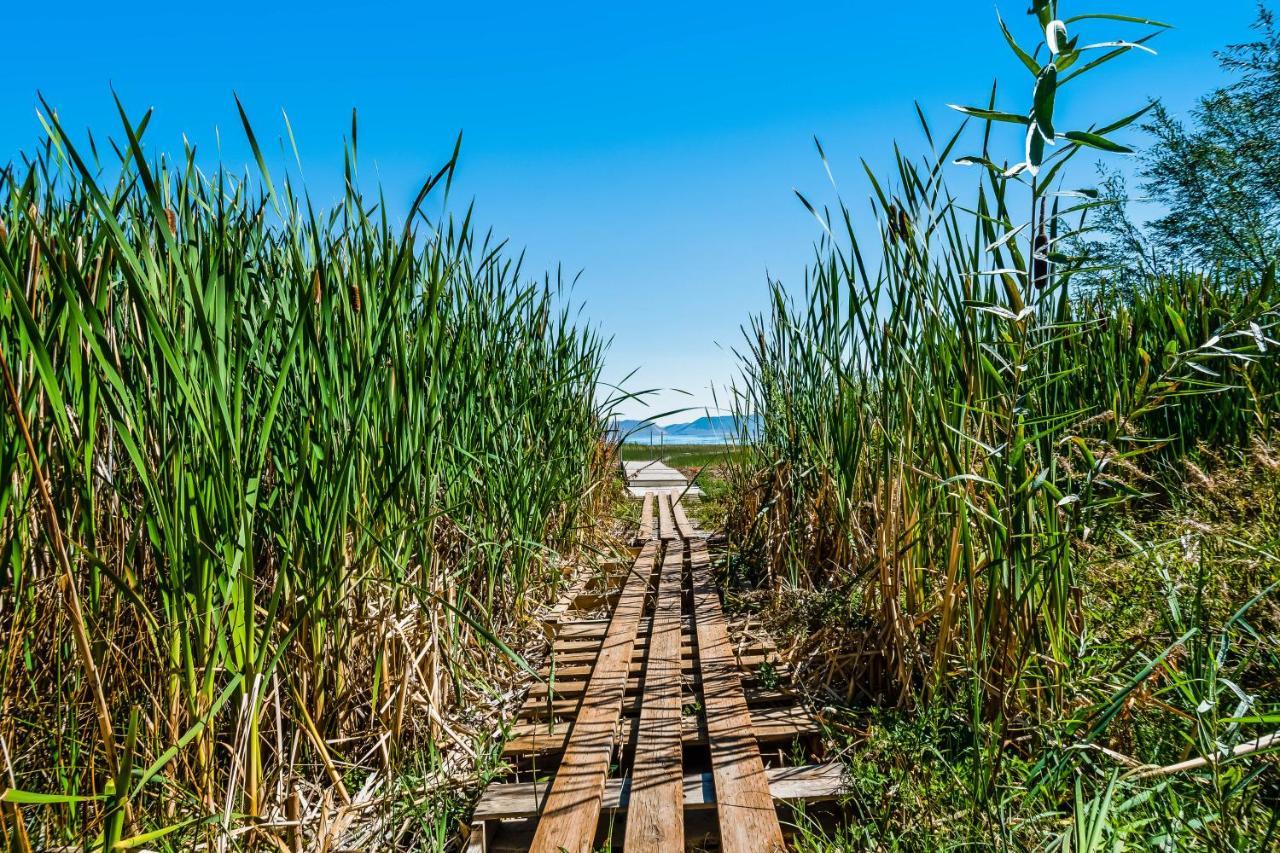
(662, 727)
(657, 477)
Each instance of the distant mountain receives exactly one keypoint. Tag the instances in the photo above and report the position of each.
(709, 429)
(638, 431)
(708, 425)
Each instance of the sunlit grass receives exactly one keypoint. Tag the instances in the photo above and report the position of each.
(300, 465)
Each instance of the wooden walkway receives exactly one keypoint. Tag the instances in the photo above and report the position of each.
(657, 477)
(659, 727)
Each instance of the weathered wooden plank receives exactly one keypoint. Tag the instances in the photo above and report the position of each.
(574, 667)
(645, 533)
(805, 783)
(589, 582)
(589, 629)
(567, 708)
(585, 630)
(652, 472)
(666, 528)
(769, 724)
(751, 654)
(573, 804)
(747, 818)
(573, 656)
(565, 604)
(565, 688)
(682, 519)
(478, 839)
(656, 820)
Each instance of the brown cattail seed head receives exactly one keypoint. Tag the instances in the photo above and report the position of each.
(899, 224)
(355, 298)
(4, 232)
(1040, 254)
(172, 219)
(1040, 262)
(315, 285)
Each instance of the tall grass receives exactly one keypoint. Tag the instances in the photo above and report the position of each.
(945, 421)
(272, 476)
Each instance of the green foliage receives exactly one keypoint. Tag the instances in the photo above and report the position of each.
(1151, 754)
(1217, 178)
(1220, 180)
(943, 436)
(306, 462)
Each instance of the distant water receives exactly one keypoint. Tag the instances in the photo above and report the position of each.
(683, 439)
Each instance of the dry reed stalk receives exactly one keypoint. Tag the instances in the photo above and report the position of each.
(71, 595)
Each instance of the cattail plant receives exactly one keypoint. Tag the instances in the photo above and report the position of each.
(939, 434)
(294, 523)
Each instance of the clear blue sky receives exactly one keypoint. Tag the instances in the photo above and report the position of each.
(652, 146)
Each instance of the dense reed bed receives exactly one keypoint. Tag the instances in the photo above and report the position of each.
(933, 433)
(275, 479)
(951, 431)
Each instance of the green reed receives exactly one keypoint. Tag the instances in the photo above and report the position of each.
(945, 418)
(304, 463)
